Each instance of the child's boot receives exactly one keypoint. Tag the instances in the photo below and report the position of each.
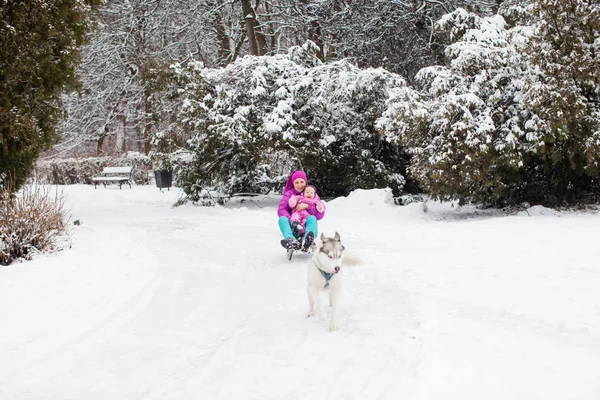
(290, 244)
(296, 227)
(308, 241)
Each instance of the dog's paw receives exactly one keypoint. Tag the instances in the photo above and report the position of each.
(333, 327)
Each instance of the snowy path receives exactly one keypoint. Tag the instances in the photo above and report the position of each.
(200, 303)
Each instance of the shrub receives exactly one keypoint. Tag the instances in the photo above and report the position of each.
(31, 221)
(508, 119)
(259, 118)
(69, 171)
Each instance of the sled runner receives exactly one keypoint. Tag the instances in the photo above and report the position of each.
(290, 252)
(292, 245)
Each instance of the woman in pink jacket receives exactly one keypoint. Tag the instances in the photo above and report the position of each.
(294, 187)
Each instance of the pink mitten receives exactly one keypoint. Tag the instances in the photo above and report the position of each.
(320, 207)
(292, 201)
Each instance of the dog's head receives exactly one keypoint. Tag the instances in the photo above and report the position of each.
(330, 252)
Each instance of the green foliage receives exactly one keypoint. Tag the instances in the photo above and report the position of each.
(566, 49)
(39, 51)
(514, 116)
(336, 140)
(254, 121)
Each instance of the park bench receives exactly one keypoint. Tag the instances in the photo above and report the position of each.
(118, 175)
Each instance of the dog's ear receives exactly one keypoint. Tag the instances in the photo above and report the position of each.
(323, 238)
(336, 237)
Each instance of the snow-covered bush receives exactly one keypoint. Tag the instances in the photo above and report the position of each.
(473, 127)
(517, 12)
(463, 122)
(565, 47)
(31, 221)
(257, 119)
(69, 171)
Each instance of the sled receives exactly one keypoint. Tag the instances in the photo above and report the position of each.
(290, 252)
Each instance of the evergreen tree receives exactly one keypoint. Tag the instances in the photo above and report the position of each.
(259, 117)
(39, 51)
(463, 123)
(565, 47)
(508, 119)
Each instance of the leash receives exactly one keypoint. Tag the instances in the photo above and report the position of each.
(327, 277)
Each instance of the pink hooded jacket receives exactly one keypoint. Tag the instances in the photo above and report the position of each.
(295, 200)
(284, 209)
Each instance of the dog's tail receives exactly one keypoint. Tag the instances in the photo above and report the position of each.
(352, 260)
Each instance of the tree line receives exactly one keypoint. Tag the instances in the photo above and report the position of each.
(493, 102)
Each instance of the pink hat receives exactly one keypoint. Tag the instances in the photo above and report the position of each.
(295, 175)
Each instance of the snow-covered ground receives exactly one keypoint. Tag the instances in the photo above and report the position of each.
(155, 302)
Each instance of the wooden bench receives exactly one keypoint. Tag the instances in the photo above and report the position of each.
(118, 175)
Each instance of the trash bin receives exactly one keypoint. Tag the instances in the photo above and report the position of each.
(163, 178)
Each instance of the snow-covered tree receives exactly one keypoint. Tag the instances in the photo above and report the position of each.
(288, 111)
(126, 62)
(464, 124)
(565, 47)
(517, 12)
(122, 105)
(474, 127)
(395, 35)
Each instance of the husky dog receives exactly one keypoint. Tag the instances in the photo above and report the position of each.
(324, 274)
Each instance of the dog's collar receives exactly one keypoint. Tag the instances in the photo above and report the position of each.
(327, 277)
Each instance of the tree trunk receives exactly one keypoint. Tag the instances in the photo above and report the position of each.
(100, 143)
(256, 39)
(147, 125)
(314, 32)
(224, 44)
(316, 36)
(120, 133)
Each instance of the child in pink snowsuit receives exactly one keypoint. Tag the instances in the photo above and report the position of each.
(298, 217)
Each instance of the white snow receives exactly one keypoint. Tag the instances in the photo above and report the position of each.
(155, 302)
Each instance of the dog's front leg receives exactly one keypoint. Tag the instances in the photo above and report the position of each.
(335, 306)
(311, 302)
(316, 296)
